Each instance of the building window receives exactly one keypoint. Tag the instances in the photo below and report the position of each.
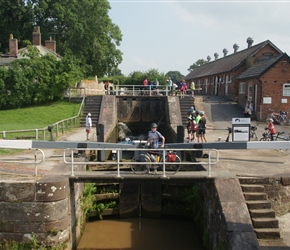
(286, 89)
(242, 88)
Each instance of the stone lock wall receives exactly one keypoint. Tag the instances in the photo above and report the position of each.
(278, 190)
(38, 207)
(226, 218)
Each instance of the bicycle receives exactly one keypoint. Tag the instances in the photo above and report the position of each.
(280, 117)
(144, 162)
(266, 136)
(253, 134)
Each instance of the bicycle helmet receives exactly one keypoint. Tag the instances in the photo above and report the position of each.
(153, 125)
(270, 120)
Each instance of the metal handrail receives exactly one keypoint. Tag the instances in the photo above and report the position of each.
(119, 161)
(56, 125)
(35, 162)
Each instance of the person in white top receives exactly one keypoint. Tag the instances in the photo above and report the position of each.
(88, 125)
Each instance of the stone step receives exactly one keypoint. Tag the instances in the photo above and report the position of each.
(255, 196)
(263, 204)
(253, 188)
(252, 180)
(265, 223)
(267, 233)
(262, 213)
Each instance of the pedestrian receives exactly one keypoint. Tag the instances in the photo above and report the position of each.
(192, 88)
(248, 109)
(183, 88)
(145, 84)
(88, 125)
(170, 85)
(189, 130)
(201, 128)
(107, 87)
(271, 128)
(153, 141)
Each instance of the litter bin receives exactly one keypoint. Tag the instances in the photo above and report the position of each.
(241, 129)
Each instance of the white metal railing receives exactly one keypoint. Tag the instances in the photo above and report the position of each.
(62, 125)
(34, 161)
(137, 90)
(163, 151)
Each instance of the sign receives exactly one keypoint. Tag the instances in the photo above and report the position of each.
(241, 121)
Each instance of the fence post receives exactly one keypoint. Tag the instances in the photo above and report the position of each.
(36, 134)
(56, 130)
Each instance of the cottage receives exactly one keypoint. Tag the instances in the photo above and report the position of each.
(16, 53)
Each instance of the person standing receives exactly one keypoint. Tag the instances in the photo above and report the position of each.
(88, 125)
(153, 140)
(169, 85)
(183, 88)
(201, 128)
(192, 87)
(145, 84)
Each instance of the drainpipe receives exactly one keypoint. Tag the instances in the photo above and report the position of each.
(261, 101)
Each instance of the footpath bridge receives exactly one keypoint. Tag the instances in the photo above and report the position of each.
(71, 158)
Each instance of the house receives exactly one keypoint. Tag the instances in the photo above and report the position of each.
(16, 53)
(260, 73)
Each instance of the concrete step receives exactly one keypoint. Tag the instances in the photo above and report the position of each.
(265, 223)
(263, 204)
(253, 188)
(267, 233)
(262, 213)
(252, 180)
(255, 196)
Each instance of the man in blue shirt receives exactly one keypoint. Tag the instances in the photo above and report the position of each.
(154, 136)
(153, 140)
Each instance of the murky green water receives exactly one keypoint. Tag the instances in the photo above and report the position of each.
(141, 234)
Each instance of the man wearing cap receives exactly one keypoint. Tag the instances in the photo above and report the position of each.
(88, 125)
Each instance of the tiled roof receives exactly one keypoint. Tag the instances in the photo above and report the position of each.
(5, 59)
(227, 63)
(260, 67)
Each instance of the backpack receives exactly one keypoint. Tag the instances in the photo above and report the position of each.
(193, 126)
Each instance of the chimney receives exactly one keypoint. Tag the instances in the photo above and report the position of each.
(236, 47)
(250, 41)
(50, 44)
(36, 36)
(208, 58)
(216, 55)
(13, 46)
(225, 51)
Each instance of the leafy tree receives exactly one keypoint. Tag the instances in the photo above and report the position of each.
(82, 28)
(37, 79)
(175, 76)
(198, 63)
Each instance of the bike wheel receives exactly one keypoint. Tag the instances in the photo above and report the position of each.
(283, 120)
(143, 167)
(265, 139)
(172, 167)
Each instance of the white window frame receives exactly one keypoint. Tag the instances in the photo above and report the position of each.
(286, 89)
(242, 88)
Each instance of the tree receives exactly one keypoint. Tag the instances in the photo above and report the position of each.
(198, 63)
(175, 76)
(37, 79)
(82, 28)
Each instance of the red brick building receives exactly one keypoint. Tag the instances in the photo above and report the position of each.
(16, 53)
(259, 73)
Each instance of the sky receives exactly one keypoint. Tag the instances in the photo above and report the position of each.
(172, 35)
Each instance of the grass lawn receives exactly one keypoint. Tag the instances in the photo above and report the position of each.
(37, 116)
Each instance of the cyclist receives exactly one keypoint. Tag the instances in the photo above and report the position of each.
(271, 128)
(153, 140)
